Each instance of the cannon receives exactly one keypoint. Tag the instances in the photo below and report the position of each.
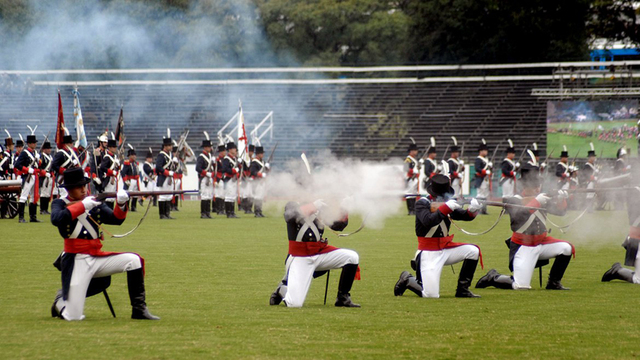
(9, 192)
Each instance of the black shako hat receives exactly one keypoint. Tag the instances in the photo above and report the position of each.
(439, 185)
(454, 148)
(131, 152)
(112, 143)
(31, 139)
(205, 143)
(149, 154)
(412, 146)
(483, 146)
(19, 143)
(67, 139)
(591, 153)
(252, 147)
(530, 175)
(511, 150)
(167, 141)
(74, 177)
(564, 154)
(259, 150)
(222, 148)
(432, 150)
(46, 145)
(231, 145)
(8, 141)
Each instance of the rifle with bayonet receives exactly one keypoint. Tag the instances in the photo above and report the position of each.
(110, 195)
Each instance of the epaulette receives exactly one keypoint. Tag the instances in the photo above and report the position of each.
(407, 160)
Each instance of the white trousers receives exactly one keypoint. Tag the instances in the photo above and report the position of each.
(636, 274)
(301, 272)
(206, 191)
(218, 189)
(412, 188)
(483, 191)
(166, 186)
(28, 189)
(111, 186)
(456, 185)
(524, 262)
(45, 189)
(231, 190)
(509, 188)
(432, 262)
(133, 185)
(259, 189)
(246, 188)
(87, 267)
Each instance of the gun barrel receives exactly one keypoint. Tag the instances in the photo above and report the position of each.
(108, 195)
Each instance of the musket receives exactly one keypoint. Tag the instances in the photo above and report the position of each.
(109, 195)
(495, 151)
(271, 154)
(596, 190)
(462, 150)
(44, 141)
(444, 155)
(435, 205)
(522, 154)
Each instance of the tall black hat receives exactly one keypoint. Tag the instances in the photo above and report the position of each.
(74, 177)
(231, 145)
(207, 141)
(112, 143)
(222, 148)
(431, 150)
(131, 150)
(510, 148)
(46, 145)
(67, 139)
(259, 150)
(167, 140)
(564, 152)
(412, 146)
(8, 142)
(454, 147)
(530, 175)
(19, 143)
(439, 185)
(592, 151)
(31, 139)
(252, 147)
(149, 154)
(483, 146)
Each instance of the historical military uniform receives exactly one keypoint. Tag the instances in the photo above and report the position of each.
(309, 254)
(109, 170)
(164, 180)
(508, 179)
(456, 172)
(149, 176)
(482, 180)
(529, 242)
(131, 177)
(258, 172)
(412, 179)
(65, 158)
(27, 167)
(430, 167)
(436, 247)
(83, 259)
(230, 177)
(246, 187)
(219, 183)
(205, 168)
(47, 179)
(563, 172)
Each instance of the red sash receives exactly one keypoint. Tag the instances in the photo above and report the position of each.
(309, 248)
(441, 243)
(535, 240)
(91, 247)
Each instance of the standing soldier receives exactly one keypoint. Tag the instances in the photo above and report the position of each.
(131, 176)
(436, 247)
(230, 177)
(246, 188)
(19, 147)
(27, 166)
(430, 167)
(259, 171)
(10, 157)
(588, 175)
(456, 169)
(482, 181)
(95, 161)
(206, 177)
(529, 242)
(46, 178)
(109, 170)
(219, 183)
(509, 169)
(412, 173)
(164, 177)
(149, 176)
(563, 170)
(65, 158)
(177, 179)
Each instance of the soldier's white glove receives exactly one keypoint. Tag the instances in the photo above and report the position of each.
(490, 164)
(475, 206)
(543, 199)
(439, 168)
(89, 203)
(453, 205)
(319, 204)
(268, 166)
(31, 170)
(128, 182)
(264, 175)
(38, 155)
(209, 174)
(171, 173)
(488, 172)
(175, 160)
(122, 197)
(48, 175)
(421, 161)
(461, 162)
(543, 165)
(562, 194)
(517, 164)
(74, 162)
(97, 180)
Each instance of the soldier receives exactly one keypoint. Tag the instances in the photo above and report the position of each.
(310, 254)
(530, 242)
(18, 149)
(436, 247)
(231, 174)
(109, 170)
(149, 176)
(131, 176)
(588, 175)
(430, 167)
(27, 166)
(46, 178)
(246, 196)
(456, 169)
(564, 171)
(65, 158)
(164, 177)
(412, 173)
(177, 181)
(9, 156)
(259, 170)
(77, 218)
(96, 160)
(219, 183)
(509, 169)
(482, 181)
(206, 176)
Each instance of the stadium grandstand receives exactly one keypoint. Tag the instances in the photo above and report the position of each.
(368, 113)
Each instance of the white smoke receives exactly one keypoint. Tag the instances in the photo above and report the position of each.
(367, 189)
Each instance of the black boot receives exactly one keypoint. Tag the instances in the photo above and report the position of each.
(557, 272)
(465, 278)
(33, 210)
(155, 201)
(409, 208)
(617, 272)
(219, 206)
(258, 209)
(167, 209)
(208, 209)
(134, 205)
(44, 206)
(278, 295)
(346, 281)
(161, 205)
(203, 211)
(135, 281)
(21, 213)
(230, 209)
(407, 281)
(493, 278)
(175, 203)
(247, 206)
(54, 308)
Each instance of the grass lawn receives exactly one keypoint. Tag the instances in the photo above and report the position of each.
(210, 282)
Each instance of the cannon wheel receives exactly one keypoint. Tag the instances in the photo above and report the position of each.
(12, 202)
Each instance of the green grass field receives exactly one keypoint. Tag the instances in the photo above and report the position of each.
(581, 145)
(210, 282)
